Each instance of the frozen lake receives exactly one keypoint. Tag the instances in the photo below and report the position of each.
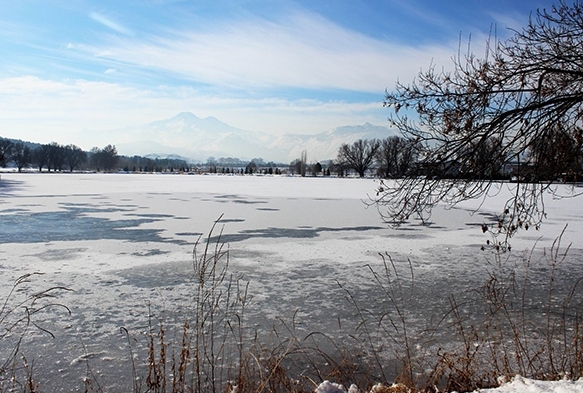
(123, 242)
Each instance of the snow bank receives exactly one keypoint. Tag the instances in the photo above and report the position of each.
(517, 385)
(331, 387)
(526, 385)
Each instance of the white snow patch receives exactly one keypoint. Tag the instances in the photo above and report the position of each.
(517, 385)
(527, 385)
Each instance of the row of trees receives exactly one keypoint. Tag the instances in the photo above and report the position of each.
(56, 157)
(151, 165)
(557, 155)
(392, 157)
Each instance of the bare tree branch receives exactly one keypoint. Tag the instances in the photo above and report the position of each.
(521, 106)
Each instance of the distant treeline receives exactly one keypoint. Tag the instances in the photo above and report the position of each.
(398, 157)
(54, 157)
(392, 157)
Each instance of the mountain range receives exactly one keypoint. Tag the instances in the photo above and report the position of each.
(197, 139)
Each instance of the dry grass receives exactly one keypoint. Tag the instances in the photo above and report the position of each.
(19, 315)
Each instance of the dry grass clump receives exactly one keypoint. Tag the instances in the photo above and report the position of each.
(530, 326)
(19, 315)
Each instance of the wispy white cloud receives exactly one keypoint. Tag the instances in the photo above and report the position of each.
(506, 23)
(108, 22)
(246, 62)
(290, 72)
(301, 51)
(421, 13)
(46, 110)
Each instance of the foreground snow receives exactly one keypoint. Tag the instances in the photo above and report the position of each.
(517, 385)
(526, 385)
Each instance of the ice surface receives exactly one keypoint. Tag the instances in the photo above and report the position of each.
(124, 242)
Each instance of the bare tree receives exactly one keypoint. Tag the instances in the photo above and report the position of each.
(5, 151)
(556, 152)
(56, 156)
(304, 163)
(360, 155)
(337, 167)
(110, 157)
(299, 165)
(295, 166)
(486, 162)
(75, 157)
(105, 158)
(40, 157)
(21, 155)
(396, 156)
(316, 169)
(251, 168)
(526, 90)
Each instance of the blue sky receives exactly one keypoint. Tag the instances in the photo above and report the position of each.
(71, 69)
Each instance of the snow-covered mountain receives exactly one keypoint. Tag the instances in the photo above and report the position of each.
(197, 139)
